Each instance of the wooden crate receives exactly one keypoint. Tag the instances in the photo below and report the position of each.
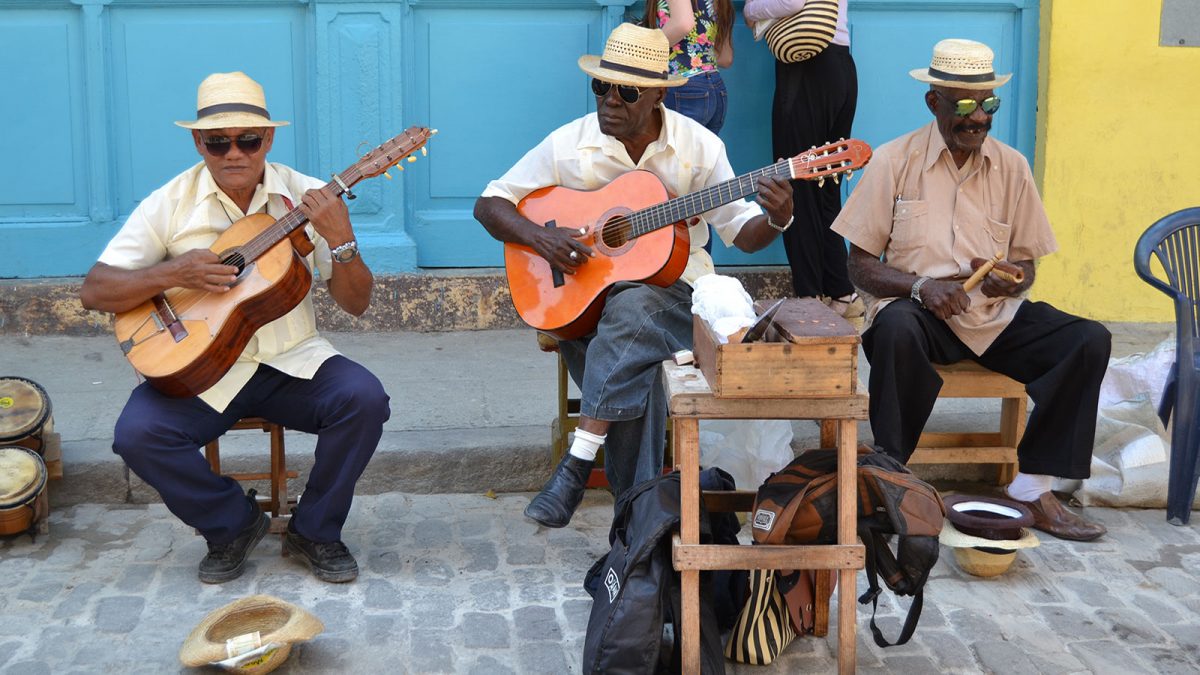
(810, 352)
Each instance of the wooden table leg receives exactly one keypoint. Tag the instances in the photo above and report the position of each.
(687, 459)
(847, 534)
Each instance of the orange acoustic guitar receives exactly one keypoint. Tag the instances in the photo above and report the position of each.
(637, 234)
(184, 340)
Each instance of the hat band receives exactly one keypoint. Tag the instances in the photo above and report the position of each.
(232, 107)
(632, 70)
(954, 77)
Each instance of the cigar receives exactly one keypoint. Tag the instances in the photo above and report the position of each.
(982, 272)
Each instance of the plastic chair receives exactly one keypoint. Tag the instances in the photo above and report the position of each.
(1175, 241)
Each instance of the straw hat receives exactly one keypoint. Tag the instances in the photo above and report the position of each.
(634, 56)
(962, 64)
(228, 100)
(254, 634)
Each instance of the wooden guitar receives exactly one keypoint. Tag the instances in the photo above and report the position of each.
(184, 340)
(637, 232)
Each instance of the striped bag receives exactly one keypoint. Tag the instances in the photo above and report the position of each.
(804, 34)
(763, 628)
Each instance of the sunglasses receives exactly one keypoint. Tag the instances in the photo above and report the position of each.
(964, 107)
(219, 145)
(629, 93)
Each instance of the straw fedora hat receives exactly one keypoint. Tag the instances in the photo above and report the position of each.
(229, 100)
(962, 64)
(254, 634)
(633, 56)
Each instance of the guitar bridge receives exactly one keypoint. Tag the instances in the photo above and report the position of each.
(172, 323)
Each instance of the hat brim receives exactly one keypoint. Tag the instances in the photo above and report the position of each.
(231, 120)
(922, 75)
(200, 648)
(590, 64)
(952, 537)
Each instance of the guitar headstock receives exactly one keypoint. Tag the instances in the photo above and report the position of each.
(391, 152)
(832, 159)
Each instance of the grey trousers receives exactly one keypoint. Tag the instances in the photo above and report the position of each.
(619, 372)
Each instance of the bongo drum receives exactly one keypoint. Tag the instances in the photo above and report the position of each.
(22, 479)
(24, 412)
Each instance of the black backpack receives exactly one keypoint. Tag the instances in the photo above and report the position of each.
(798, 505)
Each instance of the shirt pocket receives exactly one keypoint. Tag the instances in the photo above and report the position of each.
(1000, 234)
(910, 229)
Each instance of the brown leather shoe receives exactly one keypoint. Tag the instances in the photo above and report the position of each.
(1049, 515)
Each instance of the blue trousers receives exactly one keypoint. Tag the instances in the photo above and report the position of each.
(344, 405)
(619, 372)
(703, 99)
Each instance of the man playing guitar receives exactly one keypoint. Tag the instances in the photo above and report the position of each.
(617, 365)
(287, 373)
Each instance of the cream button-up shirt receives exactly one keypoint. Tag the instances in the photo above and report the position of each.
(686, 157)
(948, 218)
(190, 212)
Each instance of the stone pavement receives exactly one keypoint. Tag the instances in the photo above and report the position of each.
(463, 584)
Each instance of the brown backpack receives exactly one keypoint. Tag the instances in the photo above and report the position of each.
(798, 505)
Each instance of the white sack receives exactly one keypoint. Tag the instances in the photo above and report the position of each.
(750, 450)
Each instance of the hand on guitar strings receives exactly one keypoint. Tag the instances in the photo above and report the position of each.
(560, 246)
(328, 215)
(200, 269)
(995, 284)
(775, 196)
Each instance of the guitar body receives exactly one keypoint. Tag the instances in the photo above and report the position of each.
(572, 309)
(215, 328)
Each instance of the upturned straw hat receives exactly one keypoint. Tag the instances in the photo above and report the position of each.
(229, 100)
(962, 64)
(252, 635)
(634, 56)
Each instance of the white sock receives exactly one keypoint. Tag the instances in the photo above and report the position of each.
(1027, 487)
(586, 444)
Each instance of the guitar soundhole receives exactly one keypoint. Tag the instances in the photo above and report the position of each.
(235, 258)
(616, 232)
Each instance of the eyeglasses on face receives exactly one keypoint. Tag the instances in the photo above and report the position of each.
(629, 93)
(964, 107)
(219, 145)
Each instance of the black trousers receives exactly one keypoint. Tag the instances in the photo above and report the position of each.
(814, 104)
(1059, 358)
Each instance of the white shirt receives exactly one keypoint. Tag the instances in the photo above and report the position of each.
(686, 157)
(190, 212)
(762, 10)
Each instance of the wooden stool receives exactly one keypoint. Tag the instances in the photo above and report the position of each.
(278, 505)
(968, 379)
(568, 419)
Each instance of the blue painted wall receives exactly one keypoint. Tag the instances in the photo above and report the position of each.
(90, 109)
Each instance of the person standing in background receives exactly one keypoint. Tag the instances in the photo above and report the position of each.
(700, 35)
(814, 104)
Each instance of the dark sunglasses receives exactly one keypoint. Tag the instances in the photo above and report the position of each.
(964, 107)
(219, 145)
(629, 93)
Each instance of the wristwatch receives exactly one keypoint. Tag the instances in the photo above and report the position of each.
(915, 293)
(346, 252)
(781, 228)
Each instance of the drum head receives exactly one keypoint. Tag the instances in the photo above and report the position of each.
(22, 476)
(24, 408)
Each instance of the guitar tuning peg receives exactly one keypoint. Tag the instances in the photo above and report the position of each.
(849, 174)
(424, 152)
(387, 175)
(399, 167)
(835, 179)
(411, 159)
(821, 182)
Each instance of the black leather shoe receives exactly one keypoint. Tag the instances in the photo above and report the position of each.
(560, 496)
(329, 561)
(225, 562)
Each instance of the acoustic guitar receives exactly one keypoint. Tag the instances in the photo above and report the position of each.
(637, 233)
(184, 340)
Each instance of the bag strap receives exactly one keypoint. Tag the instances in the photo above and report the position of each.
(873, 543)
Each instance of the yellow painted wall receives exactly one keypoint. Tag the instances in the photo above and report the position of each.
(1118, 148)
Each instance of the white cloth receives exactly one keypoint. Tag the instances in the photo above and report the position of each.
(723, 303)
(686, 157)
(190, 212)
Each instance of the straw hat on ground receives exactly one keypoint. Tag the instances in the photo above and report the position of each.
(961, 64)
(999, 519)
(634, 56)
(230, 100)
(252, 635)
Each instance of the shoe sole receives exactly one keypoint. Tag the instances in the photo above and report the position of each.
(544, 523)
(320, 573)
(264, 524)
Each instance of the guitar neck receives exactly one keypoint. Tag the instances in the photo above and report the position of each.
(280, 229)
(681, 208)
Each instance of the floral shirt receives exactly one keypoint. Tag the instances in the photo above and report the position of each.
(697, 51)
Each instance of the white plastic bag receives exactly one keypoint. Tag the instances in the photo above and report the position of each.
(750, 450)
